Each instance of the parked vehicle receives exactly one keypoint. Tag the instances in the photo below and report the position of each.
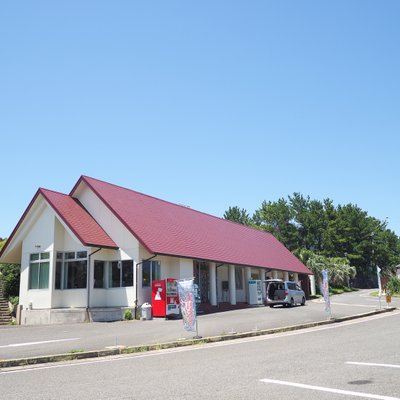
(287, 293)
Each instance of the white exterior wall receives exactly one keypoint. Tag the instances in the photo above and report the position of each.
(41, 233)
(128, 244)
(128, 250)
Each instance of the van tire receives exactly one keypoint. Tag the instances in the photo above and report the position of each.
(291, 302)
(303, 301)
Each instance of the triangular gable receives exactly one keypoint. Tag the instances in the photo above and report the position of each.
(70, 212)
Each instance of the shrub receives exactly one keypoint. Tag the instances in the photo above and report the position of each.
(14, 300)
(128, 315)
(393, 285)
(10, 276)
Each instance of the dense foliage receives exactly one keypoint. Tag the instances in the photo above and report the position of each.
(393, 286)
(10, 277)
(344, 232)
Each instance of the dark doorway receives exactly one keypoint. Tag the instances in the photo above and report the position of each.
(201, 278)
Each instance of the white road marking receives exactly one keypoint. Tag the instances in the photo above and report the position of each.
(157, 353)
(373, 364)
(354, 305)
(36, 343)
(330, 390)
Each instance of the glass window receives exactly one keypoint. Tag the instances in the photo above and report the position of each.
(39, 271)
(156, 271)
(115, 274)
(58, 275)
(34, 257)
(76, 274)
(34, 276)
(121, 273)
(81, 254)
(71, 273)
(99, 274)
(44, 275)
(151, 271)
(127, 273)
(70, 255)
(146, 273)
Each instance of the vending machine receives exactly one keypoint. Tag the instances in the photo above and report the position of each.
(165, 300)
(255, 292)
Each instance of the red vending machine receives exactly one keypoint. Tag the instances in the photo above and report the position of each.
(165, 301)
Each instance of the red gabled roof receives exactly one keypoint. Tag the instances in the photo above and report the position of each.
(170, 229)
(74, 215)
(81, 223)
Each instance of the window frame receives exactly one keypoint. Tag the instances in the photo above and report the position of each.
(62, 270)
(154, 272)
(41, 263)
(122, 265)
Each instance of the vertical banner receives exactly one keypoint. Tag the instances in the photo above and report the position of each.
(187, 304)
(378, 273)
(325, 285)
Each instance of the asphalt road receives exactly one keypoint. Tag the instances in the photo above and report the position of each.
(359, 358)
(31, 341)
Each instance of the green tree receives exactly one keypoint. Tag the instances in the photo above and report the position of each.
(239, 215)
(277, 218)
(334, 232)
(10, 274)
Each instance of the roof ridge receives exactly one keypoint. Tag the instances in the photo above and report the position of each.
(53, 191)
(176, 204)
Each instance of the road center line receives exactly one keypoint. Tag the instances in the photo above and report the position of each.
(373, 364)
(35, 343)
(330, 390)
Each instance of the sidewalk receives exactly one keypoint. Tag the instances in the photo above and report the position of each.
(25, 345)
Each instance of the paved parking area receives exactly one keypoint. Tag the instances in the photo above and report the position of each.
(32, 341)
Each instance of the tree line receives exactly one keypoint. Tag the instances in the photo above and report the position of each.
(9, 274)
(343, 239)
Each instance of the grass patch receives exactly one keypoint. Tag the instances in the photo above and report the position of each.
(74, 351)
(376, 294)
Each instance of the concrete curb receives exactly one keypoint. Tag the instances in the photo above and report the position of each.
(182, 343)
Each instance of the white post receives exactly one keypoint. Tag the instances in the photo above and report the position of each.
(312, 285)
(247, 277)
(296, 277)
(262, 277)
(213, 284)
(286, 276)
(274, 274)
(232, 285)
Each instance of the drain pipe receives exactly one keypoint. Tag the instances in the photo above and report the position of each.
(88, 283)
(137, 283)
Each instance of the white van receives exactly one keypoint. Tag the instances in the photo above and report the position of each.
(287, 293)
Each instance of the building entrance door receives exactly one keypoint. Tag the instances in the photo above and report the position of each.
(201, 278)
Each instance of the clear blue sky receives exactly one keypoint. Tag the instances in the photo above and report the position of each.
(209, 104)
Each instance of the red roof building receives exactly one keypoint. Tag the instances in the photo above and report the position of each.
(109, 243)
